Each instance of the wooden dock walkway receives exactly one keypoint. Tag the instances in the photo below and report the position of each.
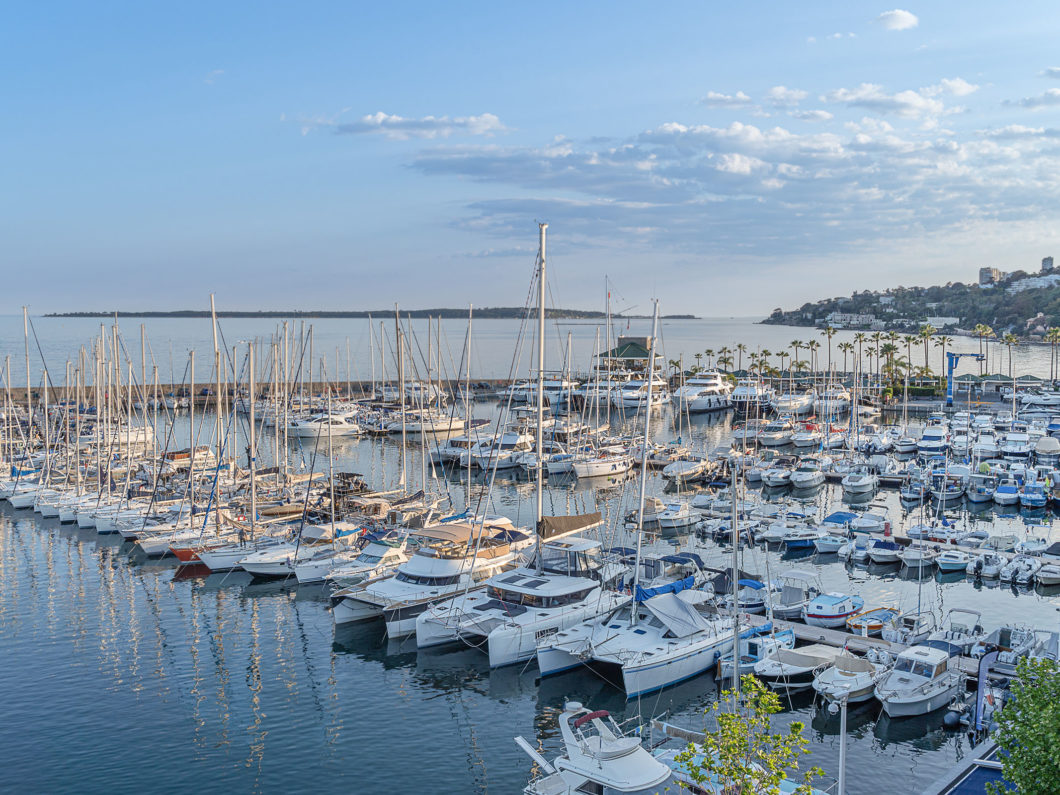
(856, 643)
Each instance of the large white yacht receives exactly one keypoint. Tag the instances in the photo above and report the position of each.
(703, 392)
(751, 395)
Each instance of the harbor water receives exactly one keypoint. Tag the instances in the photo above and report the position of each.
(122, 673)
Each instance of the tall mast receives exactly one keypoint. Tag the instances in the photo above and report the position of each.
(539, 496)
(29, 385)
(644, 457)
(217, 409)
(252, 463)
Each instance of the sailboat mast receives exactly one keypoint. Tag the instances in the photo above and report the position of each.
(644, 457)
(252, 463)
(539, 496)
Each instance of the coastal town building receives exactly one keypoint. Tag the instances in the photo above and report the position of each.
(988, 277)
(943, 322)
(1034, 283)
(1047, 264)
(842, 319)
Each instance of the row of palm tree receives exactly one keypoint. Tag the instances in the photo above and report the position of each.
(881, 347)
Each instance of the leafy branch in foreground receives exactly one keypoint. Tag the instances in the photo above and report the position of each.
(743, 756)
(1029, 730)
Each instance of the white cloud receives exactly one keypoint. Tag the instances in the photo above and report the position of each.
(717, 100)
(908, 104)
(1049, 98)
(734, 163)
(813, 115)
(212, 77)
(956, 86)
(897, 19)
(782, 96)
(400, 128)
(1052, 71)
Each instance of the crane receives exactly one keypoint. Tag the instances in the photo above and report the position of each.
(951, 362)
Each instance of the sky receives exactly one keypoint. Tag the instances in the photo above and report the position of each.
(724, 158)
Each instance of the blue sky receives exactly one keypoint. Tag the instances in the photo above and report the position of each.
(727, 158)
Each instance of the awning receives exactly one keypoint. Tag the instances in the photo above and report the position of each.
(644, 594)
(679, 617)
(558, 526)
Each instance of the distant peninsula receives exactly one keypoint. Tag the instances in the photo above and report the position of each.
(1025, 304)
(498, 312)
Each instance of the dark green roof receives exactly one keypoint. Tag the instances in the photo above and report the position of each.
(627, 350)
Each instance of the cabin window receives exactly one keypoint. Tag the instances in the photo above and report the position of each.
(415, 579)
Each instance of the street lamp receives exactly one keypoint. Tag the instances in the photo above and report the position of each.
(841, 708)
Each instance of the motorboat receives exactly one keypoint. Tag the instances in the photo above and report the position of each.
(809, 474)
(960, 628)
(860, 481)
(953, 560)
(1016, 446)
(807, 434)
(320, 426)
(980, 488)
(1007, 492)
(776, 433)
(794, 403)
(597, 757)
(686, 470)
(792, 670)
(852, 679)
(1033, 495)
(924, 678)
(883, 551)
(1021, 569)
(797, 589)
(751, 396)
(1012, 642)
(856, 549)
(756, 645)
(933, 441)
(833, 401)
(918, 556)
(986, 566)
(910, 628)
(831, 609)
(870, 522)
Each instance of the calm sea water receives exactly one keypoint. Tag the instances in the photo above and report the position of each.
(58, 340)
(121, 674)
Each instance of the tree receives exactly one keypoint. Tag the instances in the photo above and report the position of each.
(813, 346)
(876, 337)
(1011, 340)
(909, 339)
(859, 338)
(829, 332)
(724, 361)
(927, 331)
(743, 756)
(1029, 730)
(980, 332)
(795, 346)
(709, 353)
(845, 347)
(741, 349)
(1052, 336)
(941, 342)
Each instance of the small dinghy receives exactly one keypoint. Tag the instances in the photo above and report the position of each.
(872, 622)
(852, 678)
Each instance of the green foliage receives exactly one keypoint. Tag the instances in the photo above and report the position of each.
(743, 755)
(973, 305)
(1029, 730)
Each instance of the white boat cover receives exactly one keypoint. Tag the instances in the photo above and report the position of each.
(679, 617)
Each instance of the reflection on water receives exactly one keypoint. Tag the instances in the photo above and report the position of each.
(219, 681)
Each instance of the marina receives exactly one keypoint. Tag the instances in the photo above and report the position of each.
(363, 545)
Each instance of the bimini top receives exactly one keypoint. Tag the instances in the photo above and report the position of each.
(679, 617)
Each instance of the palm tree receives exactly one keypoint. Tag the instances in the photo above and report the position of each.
(980, 332)
(888, 351)
(698, 357)
(909, 339)
(941, 342)
(741, 349)
(1011, 340)
(813, 346)
(709, 353)
(724, 361)
(845, 347)
(927, 331)
(829, 332)
(859, 338)
(675, 366)
(764, 355)
(800, 365)
(795, 345)
(1052, 336)
(988, 334)
(876, 337)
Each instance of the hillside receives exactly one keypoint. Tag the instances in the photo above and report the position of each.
(1013, 304)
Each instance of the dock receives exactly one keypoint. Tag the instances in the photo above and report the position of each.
(856, 643)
